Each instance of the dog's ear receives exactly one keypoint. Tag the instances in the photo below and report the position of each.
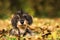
(28, 18)
(14, 21)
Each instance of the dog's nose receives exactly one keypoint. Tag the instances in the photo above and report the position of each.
(22, 22)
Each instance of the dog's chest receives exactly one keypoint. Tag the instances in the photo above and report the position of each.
(22, 31)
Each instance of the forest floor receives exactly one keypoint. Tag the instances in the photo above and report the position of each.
(52, 24)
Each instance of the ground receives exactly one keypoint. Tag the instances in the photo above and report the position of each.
(49, 23)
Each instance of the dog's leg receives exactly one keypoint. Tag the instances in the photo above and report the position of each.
(27, 31)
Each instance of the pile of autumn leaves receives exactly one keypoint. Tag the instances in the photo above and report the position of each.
(38, 23)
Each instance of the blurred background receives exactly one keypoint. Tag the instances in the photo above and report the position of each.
(37, 8)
